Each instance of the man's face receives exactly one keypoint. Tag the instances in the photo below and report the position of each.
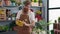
(26, 8)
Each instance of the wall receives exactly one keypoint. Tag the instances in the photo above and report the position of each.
(45, 10)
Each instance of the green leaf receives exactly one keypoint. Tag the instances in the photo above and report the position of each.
(13, 0)
(6, 28)
(40, 1)
(0, 28)
(35, 0)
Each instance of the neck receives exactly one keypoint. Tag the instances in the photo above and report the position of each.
(25, 12)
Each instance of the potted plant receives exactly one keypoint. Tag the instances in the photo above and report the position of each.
(0, 28)
(4, 28)
(7, 2)
(18, 3)
(59, 19)
(52, 31)
(41, 26)
(13, 16)
(13, 2)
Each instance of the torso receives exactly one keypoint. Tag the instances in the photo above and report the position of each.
(25, 18)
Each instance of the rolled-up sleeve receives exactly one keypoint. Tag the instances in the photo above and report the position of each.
(32, 16)
(18, 15)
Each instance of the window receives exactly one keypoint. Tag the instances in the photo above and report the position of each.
(53, 15)
(54, 3)
(54, 12)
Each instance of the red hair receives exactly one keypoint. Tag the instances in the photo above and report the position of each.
(27, 2)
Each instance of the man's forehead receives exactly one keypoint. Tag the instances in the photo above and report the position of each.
(25, 7)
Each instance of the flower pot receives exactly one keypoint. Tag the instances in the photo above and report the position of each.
(7, 3)
(0, 3)
(13, 4)
(59, 20)
(52, 31)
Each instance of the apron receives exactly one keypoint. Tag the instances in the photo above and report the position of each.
(24, 29)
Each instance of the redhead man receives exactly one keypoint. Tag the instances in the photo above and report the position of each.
(29, 18)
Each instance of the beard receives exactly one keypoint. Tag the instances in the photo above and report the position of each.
(25, 10)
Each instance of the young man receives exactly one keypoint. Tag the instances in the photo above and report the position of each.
(29, 18)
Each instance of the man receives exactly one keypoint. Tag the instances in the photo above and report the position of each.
(28, 16)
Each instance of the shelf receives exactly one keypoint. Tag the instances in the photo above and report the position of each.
(2, 23)
(9, 6)
(36, 6)
(19, 6)
(9, 32)
(12, 6)
(0, 6)
(7, 20)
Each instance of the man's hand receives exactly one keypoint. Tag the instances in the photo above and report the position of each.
(29, 25)
(26, 24)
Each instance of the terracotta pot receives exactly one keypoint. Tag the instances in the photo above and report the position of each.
(0, 3)
(7, 3)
